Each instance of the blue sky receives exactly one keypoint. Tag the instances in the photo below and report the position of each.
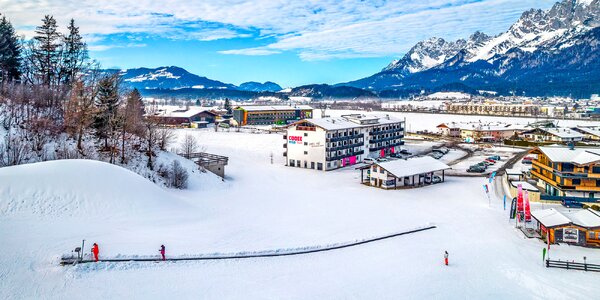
(288, 42)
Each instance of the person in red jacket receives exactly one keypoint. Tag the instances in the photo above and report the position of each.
(95, 251)
(446, 257)
(162, 251)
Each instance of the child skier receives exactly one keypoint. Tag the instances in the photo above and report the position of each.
(162, 251)
(95, 251)
(446, 257)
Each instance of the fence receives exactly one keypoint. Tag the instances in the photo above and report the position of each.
(572, 265)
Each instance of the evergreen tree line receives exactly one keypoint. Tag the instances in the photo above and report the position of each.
(49, 87)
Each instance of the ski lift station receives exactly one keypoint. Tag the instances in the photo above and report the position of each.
(404, 173)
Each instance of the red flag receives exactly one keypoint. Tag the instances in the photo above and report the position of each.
(520, 199)
(527, 208)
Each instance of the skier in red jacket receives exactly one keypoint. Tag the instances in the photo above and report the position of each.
(162, 251)
(95, 251)
(446, 257)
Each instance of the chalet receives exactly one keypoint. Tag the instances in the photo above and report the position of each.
(478, 131)
(581, 228)
(567, 173)
(589, 133)
(549, 135)
(412, 172)
(185, 116)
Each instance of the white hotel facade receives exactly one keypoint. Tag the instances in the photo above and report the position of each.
(335, 142)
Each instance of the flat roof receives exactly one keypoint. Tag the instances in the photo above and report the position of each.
(273, 107)
(585, 218)
(413, 166)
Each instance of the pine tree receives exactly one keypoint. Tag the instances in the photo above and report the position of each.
(227, 105)
(10, 52)
(133, 120)
(47, 50)
(107, 103)
(75, 53)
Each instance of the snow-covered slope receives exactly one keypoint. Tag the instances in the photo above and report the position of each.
(68, 188)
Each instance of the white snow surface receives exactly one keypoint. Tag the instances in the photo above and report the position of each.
(263, 206)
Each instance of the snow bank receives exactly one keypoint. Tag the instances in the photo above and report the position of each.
(77, 187)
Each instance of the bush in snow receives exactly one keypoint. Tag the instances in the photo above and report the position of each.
(178, 176)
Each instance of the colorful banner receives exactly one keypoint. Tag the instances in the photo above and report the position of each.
(504, 201)
(520, 199)
(527, 208)
(485, 188)
(513, 208)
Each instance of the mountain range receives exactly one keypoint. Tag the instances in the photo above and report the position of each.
(552, 52)
(176, 78)
(544, 53)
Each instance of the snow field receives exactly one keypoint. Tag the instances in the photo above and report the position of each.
(264, 206)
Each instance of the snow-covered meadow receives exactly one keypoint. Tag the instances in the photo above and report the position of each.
(47, 208)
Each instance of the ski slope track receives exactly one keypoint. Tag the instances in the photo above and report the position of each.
(71, 260)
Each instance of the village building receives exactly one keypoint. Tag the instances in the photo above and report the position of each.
(271, 114)
(334, 142)
(589, 133)
(403, 173)
(184, 116)
(549, 135)
(581, 228)
(567, 174)
(496, 109)
(479, 132)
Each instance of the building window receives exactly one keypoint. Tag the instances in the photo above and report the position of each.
(592, 235)
(319, 166)
(305, 134)
(305, 143)
(292, 164)
(305, 152)
(574, 181)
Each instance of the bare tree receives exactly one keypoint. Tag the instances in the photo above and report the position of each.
(178, 177)
(190, 145)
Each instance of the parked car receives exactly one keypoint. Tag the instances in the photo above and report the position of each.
(396, 155)
(495, 157)
(369, 160)
(382, 159)
(527, 160)
(491, 161)
(443, 150)
(406, 152)
(436, 155)
(476, 169)
(436, 179)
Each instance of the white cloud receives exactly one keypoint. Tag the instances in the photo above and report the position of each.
(259, 51)
(317, 29)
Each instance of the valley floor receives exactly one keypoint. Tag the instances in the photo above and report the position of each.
(265, 206)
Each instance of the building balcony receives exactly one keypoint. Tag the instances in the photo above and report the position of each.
(345, 138)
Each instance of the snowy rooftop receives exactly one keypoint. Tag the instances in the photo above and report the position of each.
(413, 166)
(337, 123)
(491, 126)
(589, 130)
(525, 185)
(550, 217)
(586, 218)
(180, 112)
(565, 154)
(273, 107)
(563, 132)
